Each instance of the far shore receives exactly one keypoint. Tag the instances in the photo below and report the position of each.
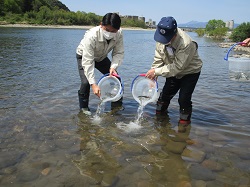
(222, 45)
(63, 26)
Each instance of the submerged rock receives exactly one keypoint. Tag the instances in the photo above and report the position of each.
(27, 175)
(193, 155)
(212, 165)
(200, 173)
(10, 158)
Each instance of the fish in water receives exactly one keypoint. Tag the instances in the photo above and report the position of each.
(144, 96)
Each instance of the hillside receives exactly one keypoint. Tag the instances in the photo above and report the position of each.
(23, 6)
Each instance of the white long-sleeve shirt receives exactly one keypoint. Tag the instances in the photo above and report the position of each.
(94, 48)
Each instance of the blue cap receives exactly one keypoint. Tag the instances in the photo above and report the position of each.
(166, 29)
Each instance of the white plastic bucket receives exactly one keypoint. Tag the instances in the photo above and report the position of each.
(239, 68)
(144, 90)
(111, 88)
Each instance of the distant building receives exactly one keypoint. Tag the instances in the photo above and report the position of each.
(141, 19)
(151, 23)
(230, 24)
(131, 17)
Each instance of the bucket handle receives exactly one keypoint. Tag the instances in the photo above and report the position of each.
(114, 75)
(239, 43)
(142, 75)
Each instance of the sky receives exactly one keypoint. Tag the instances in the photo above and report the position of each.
(182, 10)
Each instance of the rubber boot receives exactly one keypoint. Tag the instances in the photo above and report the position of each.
(185, 116)
(83, 102)
(117, 104)
(161, 106)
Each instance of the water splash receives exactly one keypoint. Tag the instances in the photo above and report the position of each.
(133, 126)
(99, 111)
(139, 114)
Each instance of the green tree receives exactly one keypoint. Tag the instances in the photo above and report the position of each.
(241, 32)
(200, 32)
(133, 23)
(27, 5)
(2, 13)
(44, 15)
(50, 12)
(14, 6)
(214, 24)
(57, 4)
(219, 33)
(92, 19)
(216, 28)
(36, 4)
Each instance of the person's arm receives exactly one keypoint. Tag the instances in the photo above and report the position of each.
(246, 42)
(88, 63)
(159, 56)
(117, 53)
(158, 60)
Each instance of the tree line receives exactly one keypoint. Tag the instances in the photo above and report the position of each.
(54, 12)
(217, 29)
(50, 12)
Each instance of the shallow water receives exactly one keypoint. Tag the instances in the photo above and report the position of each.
(45, 141)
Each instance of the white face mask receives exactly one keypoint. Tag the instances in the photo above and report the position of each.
(108, 35)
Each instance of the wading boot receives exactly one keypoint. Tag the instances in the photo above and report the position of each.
(83, 103)
(185, 116)
(117, 105)
(161, 106)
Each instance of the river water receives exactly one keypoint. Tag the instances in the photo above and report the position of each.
(45, 141)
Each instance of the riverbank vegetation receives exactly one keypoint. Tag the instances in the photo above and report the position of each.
(241, 32)
(53, 12)
(50, 12)
(217, 29)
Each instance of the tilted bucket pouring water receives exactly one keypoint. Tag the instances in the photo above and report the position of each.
(144, 90)
(239, 67)
(111, 88)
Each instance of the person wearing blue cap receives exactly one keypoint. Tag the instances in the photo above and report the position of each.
(92, 53)
(176, 58)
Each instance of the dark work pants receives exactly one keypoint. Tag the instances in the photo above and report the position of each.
(185, 86)
(102, 66)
